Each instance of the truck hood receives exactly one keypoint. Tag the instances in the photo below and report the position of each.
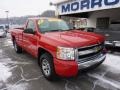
(74, 38)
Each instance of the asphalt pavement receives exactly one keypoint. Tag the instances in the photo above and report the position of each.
(21, 72)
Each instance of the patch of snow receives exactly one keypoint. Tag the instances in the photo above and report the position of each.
(9, 61)
(107, 82)
(21, 86)
(113, 61)
(4, 72)
(8, 42)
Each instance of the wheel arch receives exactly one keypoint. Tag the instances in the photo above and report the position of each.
(42, 51)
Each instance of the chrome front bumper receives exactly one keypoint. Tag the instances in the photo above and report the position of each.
(91, 62)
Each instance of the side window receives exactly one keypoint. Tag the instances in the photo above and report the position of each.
(31, 25)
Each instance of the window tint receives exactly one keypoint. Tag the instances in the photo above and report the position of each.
(31, 25)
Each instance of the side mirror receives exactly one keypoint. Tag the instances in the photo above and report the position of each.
(29, 30)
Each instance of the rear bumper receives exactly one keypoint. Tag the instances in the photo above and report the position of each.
(71, 68)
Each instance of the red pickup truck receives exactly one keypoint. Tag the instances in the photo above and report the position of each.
(61, 51)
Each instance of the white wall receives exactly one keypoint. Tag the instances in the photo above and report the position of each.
(113, 14)
(58, 1)
(79, 10)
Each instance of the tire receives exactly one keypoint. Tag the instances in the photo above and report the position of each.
(17, 48)
(47, 67)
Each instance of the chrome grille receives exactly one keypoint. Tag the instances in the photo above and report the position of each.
(90, 52)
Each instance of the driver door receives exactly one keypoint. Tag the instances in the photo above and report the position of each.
(30, 39)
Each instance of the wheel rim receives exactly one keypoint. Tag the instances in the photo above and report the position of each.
(46, 67)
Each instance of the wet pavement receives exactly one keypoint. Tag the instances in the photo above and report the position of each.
(21, 72)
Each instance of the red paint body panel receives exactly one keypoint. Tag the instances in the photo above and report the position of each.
(51, 40)
(65, 68)
(74, 38)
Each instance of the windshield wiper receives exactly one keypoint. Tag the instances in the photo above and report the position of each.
(68, 29)
(56, 30)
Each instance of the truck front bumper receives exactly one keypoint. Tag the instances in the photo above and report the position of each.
(71, 68)
(65, 68)
(91, 62)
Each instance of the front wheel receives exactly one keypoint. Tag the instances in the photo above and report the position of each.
(47, 66)
(17, 48)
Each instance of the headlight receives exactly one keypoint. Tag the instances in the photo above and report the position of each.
(65, 53)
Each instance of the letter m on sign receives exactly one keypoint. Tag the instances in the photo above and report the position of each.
(65, 8)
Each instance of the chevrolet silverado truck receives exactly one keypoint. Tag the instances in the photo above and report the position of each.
(61, 51)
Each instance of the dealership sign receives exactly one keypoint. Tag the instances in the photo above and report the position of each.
(79, 6)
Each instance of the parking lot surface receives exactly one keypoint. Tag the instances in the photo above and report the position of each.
(21, 72)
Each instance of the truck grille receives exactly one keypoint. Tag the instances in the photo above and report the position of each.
(89, 53)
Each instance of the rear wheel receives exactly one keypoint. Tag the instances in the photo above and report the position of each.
(47, 66)
(17, 48)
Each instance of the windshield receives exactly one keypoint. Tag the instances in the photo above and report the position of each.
(49, 25)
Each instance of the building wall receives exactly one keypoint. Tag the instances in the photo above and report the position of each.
(80, 6)
(113, 14)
